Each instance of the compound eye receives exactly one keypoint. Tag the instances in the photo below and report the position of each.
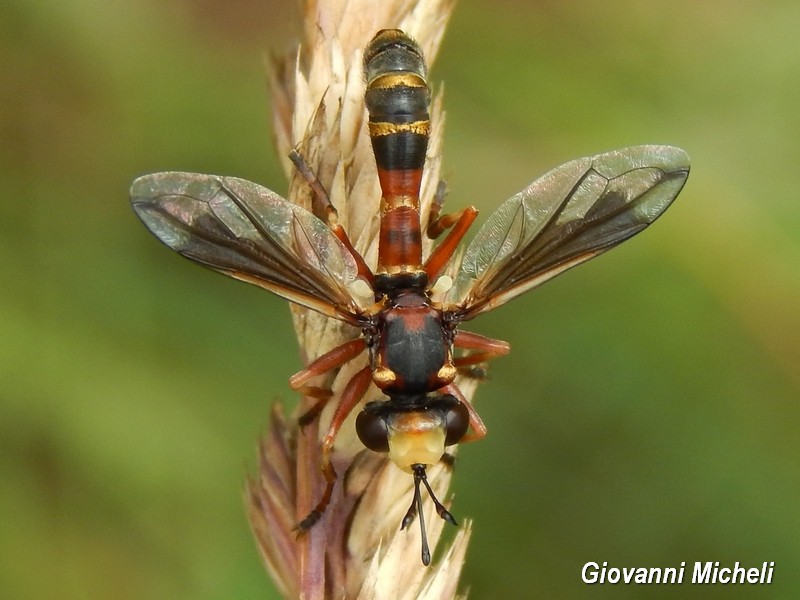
(372, 431)
(456, 424)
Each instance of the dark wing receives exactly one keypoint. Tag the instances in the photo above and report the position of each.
(250, 233)
(571, 214)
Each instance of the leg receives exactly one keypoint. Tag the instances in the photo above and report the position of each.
(472, 366)
(322, 205)
(328, 361)
(435, 226)
(438, 223)
(352, 394)
(475, 421)
(441, 255)
(489, 347)
(485, 349)
(321, 395)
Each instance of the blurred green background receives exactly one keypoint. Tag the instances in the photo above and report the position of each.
(647, 415)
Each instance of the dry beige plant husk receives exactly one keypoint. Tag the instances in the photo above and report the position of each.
(357, 549)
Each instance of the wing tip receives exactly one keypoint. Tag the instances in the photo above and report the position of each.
(676, 158)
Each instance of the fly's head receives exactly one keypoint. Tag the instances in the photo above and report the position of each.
(414, 432)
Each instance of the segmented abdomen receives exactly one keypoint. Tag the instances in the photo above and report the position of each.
(397, 99)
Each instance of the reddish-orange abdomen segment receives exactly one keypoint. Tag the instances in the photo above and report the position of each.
(397, 99)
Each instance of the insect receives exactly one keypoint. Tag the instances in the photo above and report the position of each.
(409, 316)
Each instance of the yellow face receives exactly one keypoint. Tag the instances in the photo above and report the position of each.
(415, 439)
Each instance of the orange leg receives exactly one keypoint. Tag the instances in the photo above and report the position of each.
(441, 255)
(466, 340)
(324, 206)
(352, 394)
(475, 421)
(438, 223)
(328, 361)
(484, 348)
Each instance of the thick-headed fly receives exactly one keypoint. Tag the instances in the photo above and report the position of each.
(410, 320)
